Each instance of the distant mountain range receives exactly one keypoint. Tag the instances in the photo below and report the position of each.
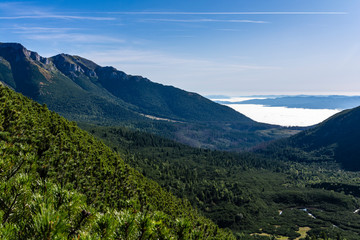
(83, 91)
(303, 101)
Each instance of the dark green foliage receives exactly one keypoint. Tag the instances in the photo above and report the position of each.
(165, 101)
(242, 190)
(5, 73)
(58, 182)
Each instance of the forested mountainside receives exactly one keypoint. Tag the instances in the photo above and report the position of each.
(335, 139)
(149, 98)
(83, 91)
(59, 182)
(248, 193)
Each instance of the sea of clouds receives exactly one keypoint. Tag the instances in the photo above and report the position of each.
(280, 115)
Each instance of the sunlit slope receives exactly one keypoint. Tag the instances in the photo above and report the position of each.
(56, 180)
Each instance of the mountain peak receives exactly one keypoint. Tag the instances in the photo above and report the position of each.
(19, 51)
(16, 46)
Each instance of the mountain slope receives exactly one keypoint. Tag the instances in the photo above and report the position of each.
(151, 98)
(83, 91)
(58, 182)
(39, 79)
(335, 139)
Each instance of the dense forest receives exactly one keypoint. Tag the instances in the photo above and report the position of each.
(247, 192)
(58, 182)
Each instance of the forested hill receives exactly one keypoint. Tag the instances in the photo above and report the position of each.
(83, 91)
(58, 182)
(334, 139)
(38, 77)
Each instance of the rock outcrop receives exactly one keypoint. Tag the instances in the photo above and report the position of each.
(73, 66)
(17, 52)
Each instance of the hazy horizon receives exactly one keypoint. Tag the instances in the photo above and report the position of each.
(275, 94)
(303, 115)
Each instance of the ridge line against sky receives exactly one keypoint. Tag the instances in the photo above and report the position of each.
(232, 47)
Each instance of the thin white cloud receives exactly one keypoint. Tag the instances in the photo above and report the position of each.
(229, 29)
(187, 72)
(231, 13)
(203, 20)
(158, 60)
(15, 9)
(26, 10)
(64, 17)
(62, 34)
(25, 29)
(10, 5)
(74, 37)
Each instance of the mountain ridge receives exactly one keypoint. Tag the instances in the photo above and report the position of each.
(76, 68)
(83, 91)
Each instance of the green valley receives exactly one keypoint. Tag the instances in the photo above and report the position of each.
(247, 192)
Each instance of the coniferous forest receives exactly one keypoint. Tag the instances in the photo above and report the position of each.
(58, 182)
(248, 192)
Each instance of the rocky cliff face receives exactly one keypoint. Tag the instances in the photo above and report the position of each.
(26, 71)
(18, 52)
(73, 66)
(36, 57)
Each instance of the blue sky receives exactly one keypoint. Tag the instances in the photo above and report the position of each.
(228, 47)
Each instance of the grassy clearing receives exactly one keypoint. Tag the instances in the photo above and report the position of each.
(303, 231)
